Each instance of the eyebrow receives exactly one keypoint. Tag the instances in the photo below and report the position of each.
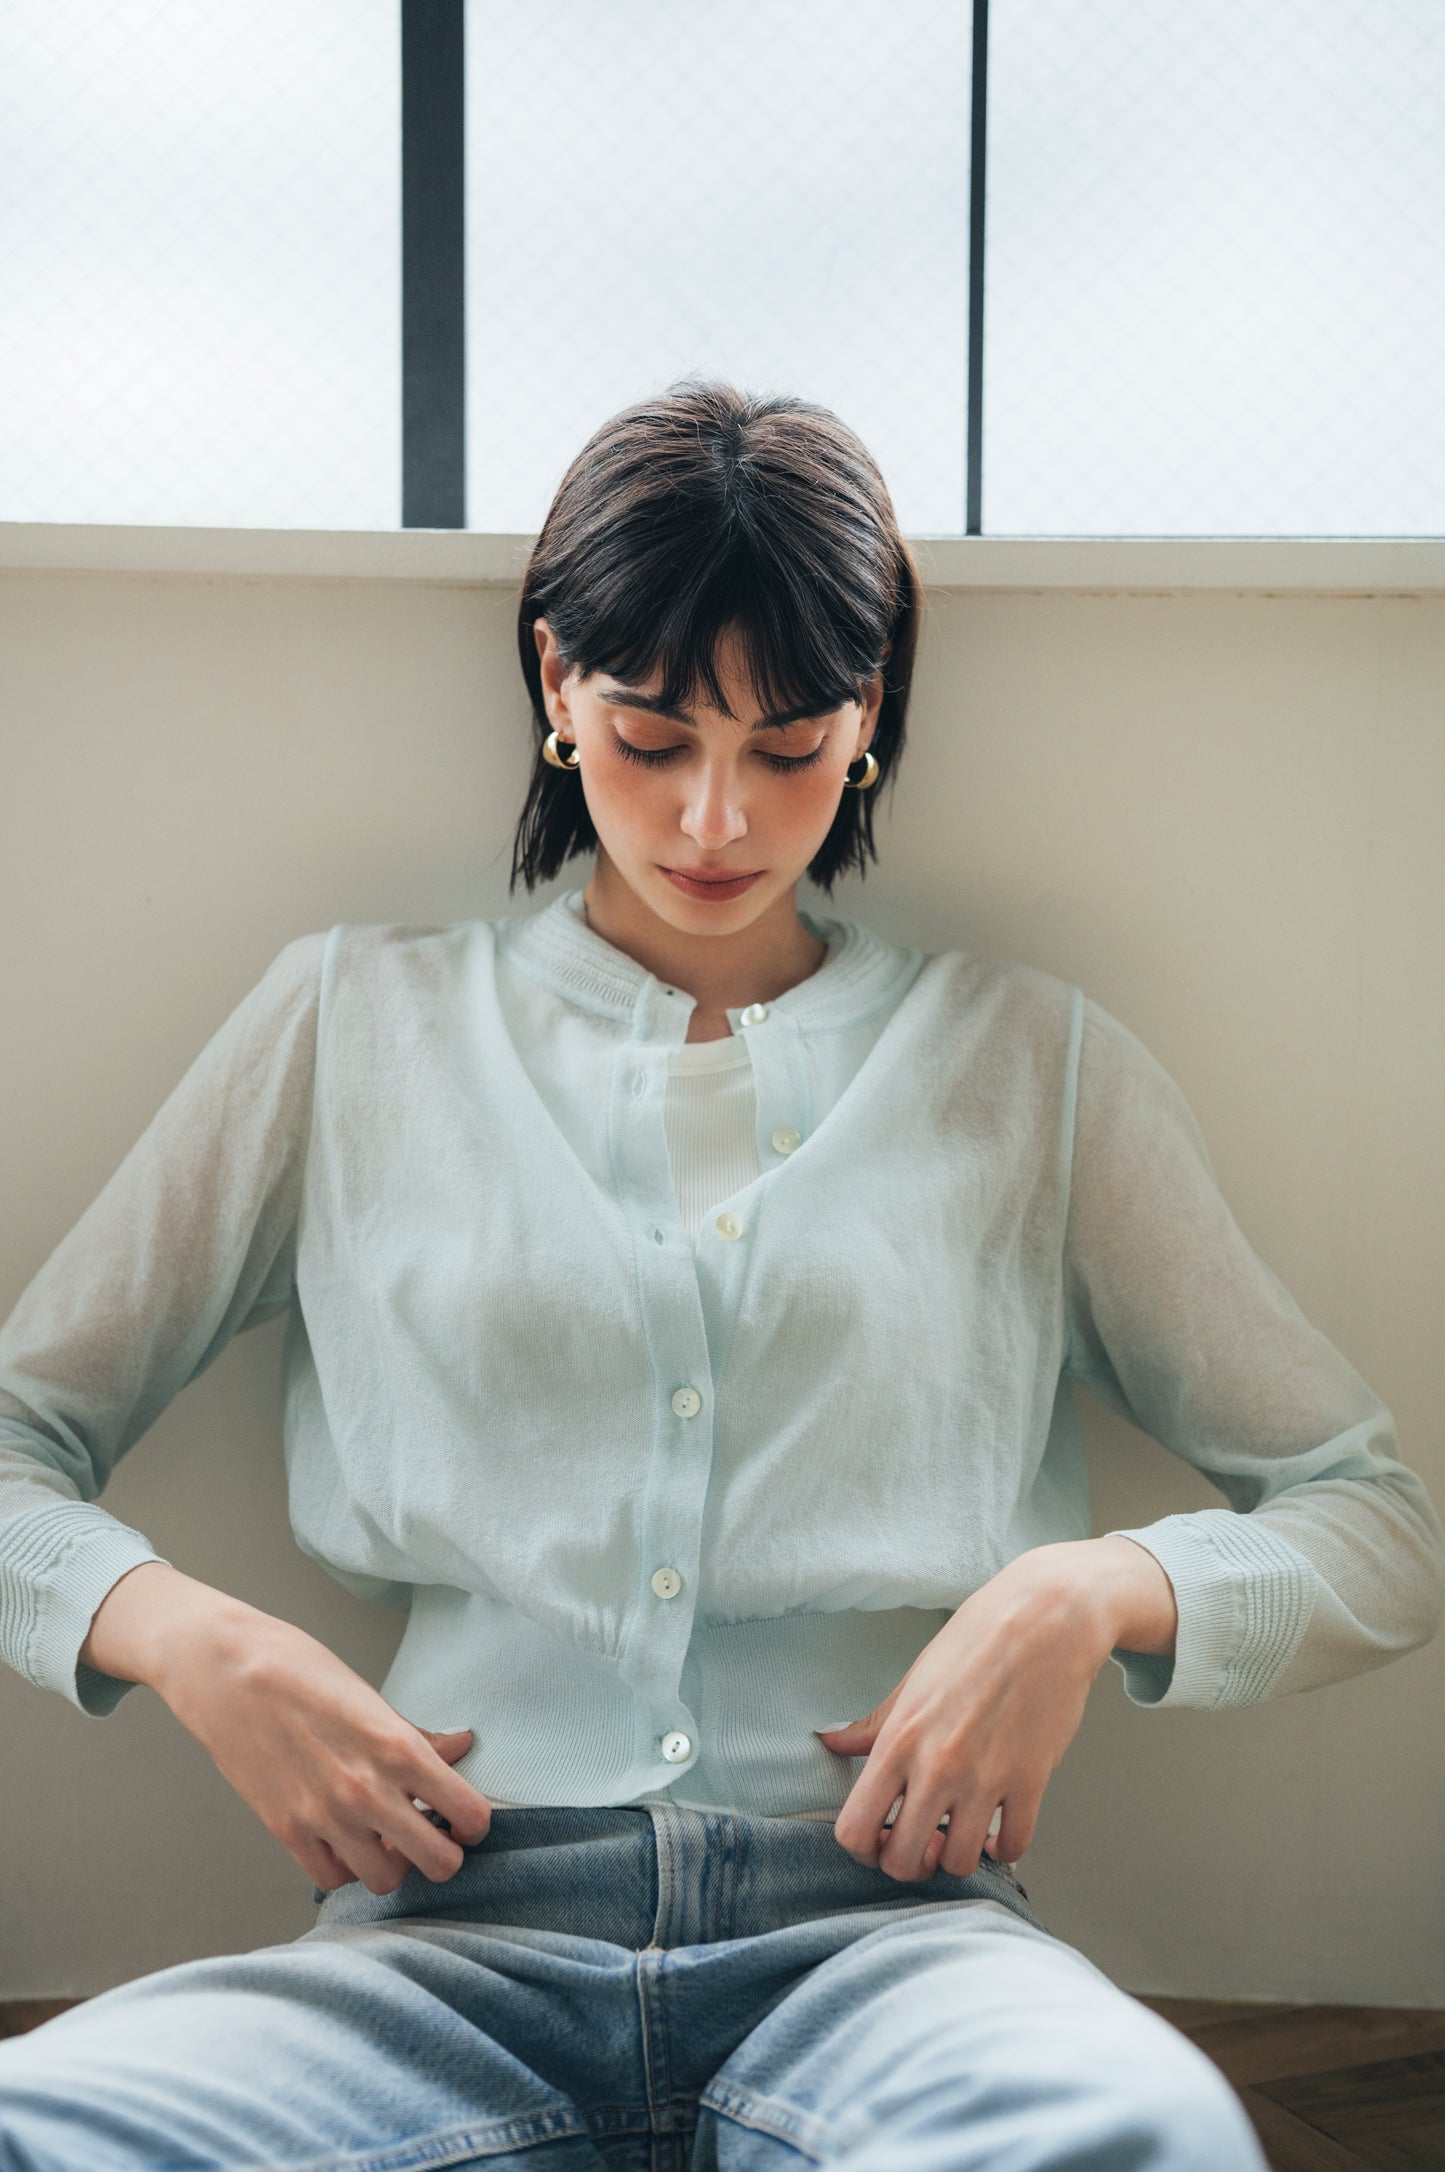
(628, 697)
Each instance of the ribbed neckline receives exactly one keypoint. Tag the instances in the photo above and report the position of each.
(558, 944)
(727, 1053)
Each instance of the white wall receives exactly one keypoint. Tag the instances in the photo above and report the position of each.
(1222, 815)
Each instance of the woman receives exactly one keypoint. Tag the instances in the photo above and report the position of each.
(683, 1296)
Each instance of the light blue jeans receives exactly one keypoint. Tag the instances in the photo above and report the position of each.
(644, 1988)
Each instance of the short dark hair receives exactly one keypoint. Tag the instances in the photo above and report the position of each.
(703, 509)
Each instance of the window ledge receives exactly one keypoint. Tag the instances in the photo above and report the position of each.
(1325, 565)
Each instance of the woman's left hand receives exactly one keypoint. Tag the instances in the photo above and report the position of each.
(981, 1719)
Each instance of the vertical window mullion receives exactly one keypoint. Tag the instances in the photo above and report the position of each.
(433, 294)
(977, 193)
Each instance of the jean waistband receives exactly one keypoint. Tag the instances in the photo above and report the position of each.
(658, 1874)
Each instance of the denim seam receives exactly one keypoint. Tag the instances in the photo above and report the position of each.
(728, 1884)
(679, 2115)
(656, 2065)
(668, 1884)
(816, 2137)
(458, 2146)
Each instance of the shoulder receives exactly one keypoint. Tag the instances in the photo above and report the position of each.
(1001, 999)
(386, 954)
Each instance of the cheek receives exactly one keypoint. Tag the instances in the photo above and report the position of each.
(634, 808)
(821, 788)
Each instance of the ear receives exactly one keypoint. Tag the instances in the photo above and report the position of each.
(553, 672)
(872, 699)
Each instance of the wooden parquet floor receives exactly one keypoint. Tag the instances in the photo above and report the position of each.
(1329, 2088)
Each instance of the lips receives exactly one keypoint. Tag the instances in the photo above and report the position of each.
(694, 874)
(705, 887)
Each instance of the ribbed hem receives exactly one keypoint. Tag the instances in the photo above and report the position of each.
(56, 1565)
(1245, 1597)
(559, 1726)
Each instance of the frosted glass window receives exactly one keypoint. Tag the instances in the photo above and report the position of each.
(760, 190)
(200, 228)
(1215, 301)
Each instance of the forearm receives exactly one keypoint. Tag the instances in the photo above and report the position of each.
(152, 1615)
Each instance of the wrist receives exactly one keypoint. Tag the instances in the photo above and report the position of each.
(1137, 1610)
(1117, 1594)
(155, 1619)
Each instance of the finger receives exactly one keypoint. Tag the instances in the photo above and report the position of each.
(859, 1825)
(383, 1835)
(447, 1801)
(417, 1840)
(913, 1833)
(1016, 1832)
(466, 1809)
(405, 1864)
(322, 1865)
(380, 1868)
(967, 1825)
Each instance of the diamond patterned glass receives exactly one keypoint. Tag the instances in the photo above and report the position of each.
(770, 191)
(1215, 268)
(200, 228)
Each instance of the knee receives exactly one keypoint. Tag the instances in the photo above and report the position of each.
(1183, 2117)
(42, 2128)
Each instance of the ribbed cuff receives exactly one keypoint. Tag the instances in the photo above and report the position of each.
(1245, 1597)
(56, 1565)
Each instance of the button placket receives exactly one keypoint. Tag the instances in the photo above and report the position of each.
(671, 1498)
(780, 1082)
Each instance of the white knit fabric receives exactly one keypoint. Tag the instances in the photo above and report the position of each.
(710, 1118)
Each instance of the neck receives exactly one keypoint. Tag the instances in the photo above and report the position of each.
(722, 972)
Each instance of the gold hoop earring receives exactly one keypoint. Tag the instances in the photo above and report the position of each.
(870, 771)
(550, 751)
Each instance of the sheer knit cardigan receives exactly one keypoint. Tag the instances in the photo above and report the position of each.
(657, 1511)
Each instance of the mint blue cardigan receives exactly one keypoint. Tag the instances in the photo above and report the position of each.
(515, 1394)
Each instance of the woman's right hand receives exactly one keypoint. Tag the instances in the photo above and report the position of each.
(326, 1763)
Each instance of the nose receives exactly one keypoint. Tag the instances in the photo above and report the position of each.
(712, 815)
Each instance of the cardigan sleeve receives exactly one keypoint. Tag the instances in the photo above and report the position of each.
(1329, 1559)
(190, 1242)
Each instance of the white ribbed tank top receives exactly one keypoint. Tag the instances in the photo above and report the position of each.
(709, 1116)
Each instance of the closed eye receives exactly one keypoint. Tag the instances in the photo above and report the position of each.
(655, 756)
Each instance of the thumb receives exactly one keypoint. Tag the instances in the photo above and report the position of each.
(450, 1743)
(856, 1737)
(852, 1739)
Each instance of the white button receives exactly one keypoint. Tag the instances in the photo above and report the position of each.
(728, 1225)
(676, 1747)
(687, 1402)
(667, 1583)
(785, 1138)
(754, 1014)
